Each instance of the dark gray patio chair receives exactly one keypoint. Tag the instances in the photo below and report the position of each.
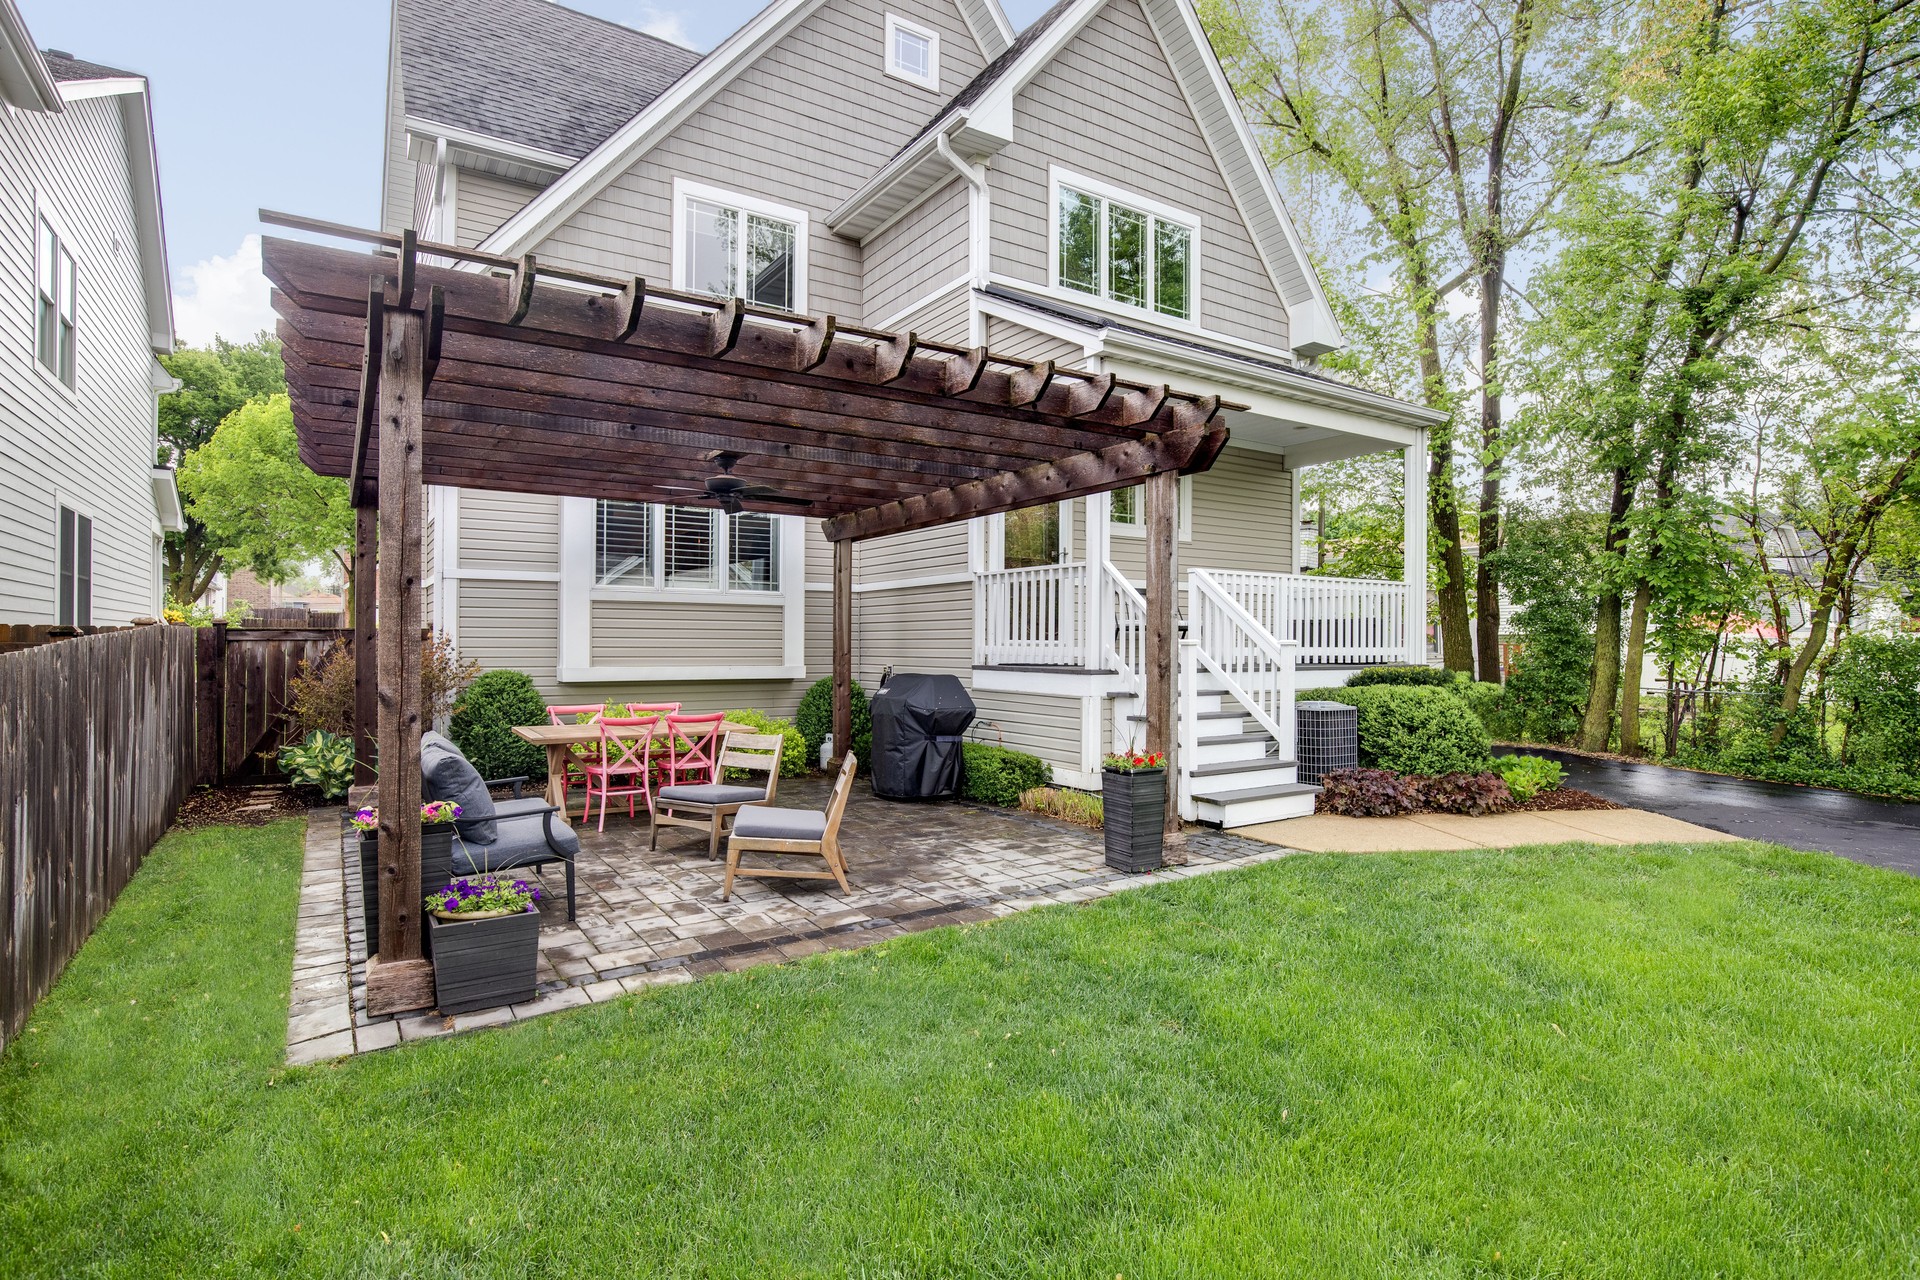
(495, 835)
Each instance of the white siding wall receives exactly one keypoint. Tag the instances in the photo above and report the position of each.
(93, 447)
(1109, 107)
(804, 126)
(1009, 339)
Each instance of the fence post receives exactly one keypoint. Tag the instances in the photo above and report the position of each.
(210, 713)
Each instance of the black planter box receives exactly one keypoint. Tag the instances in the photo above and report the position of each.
(436, 869)
(1135, 818)
(482, 964)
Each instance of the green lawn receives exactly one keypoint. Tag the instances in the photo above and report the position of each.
(1550, 1062)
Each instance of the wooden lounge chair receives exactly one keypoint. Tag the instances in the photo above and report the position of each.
(806, 832)
(706, 806)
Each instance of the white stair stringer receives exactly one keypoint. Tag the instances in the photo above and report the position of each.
(1234, 709)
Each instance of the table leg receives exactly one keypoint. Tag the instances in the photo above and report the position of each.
(556, 770)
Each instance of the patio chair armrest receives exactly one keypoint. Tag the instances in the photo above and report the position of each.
(546, 830)
(501, 782)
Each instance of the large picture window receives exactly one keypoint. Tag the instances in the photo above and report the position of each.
(1124, 252)
(54, 303)
(661, 548)
(730, 246)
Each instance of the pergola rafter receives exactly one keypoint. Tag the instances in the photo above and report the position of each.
(509, 374)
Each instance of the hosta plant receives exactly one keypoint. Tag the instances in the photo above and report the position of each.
(321, 760)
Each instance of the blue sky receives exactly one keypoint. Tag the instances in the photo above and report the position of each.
(278, 105)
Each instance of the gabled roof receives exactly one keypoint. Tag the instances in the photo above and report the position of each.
(24, 80)
(530, 72)
(68, 69)
(979, 121)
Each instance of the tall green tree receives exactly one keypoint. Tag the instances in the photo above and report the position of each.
(1768, 148)
(215, 381)
(260, 506)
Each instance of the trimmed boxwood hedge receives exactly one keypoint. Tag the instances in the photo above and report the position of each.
(483, 723)
(1402, 674)
(814, 719)
(1415, 730)
(794, 761)
(997, 775)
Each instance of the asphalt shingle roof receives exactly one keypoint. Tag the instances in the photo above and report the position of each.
(530, 71)
(65, 67)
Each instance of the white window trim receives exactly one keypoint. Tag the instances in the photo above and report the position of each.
(994, 531)
(578, 663)
(1058, 177)
(722, 546)
(932, 79)
(684, 191)
(85, 510)
(1185, 502)
(42, 210)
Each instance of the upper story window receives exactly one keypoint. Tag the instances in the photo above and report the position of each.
(73, 605)
(913, 52)
(1123, 248)
(734, 246)
(661, 548)
(55, 295)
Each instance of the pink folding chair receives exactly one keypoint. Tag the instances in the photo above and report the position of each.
(659, 711)
(693, 748)
(578, 756)
(626, 753)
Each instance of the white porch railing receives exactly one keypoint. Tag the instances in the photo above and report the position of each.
(1128, 648)
(1343, 621)
(1256, 668)
(1032, 617)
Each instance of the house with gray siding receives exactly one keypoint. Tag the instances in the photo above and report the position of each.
(1084, 193)
(83, 269)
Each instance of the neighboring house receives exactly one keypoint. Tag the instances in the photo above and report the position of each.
(1086, 193)
(84, 311)
(245, 587)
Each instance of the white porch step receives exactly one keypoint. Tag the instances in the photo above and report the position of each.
(1228, 747)
(1234, 774)
(1249, 806)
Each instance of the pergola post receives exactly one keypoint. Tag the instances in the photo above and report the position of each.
(1162, 647)
(364, 703)
(397, 977)
(842, 647)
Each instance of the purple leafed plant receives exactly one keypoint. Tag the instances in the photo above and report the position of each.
(1472, 793)
(1367, 793)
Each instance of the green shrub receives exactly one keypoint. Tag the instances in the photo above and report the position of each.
(794, 760)
(997, 775)
(1416, 730)
(321, 760)
(1489, 702)
(1434, 677)
(1875, 683)
(1528, 776)
(815, 720)
(484, 720)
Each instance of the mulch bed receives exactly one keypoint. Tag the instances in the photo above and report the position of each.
(1563, 799)
(253, 806)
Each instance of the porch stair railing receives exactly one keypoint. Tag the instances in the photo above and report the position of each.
(1127, 645)
(1335, 621)
(1253, 666)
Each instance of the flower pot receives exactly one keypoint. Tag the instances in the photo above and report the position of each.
(1136, 817)
(436, 869)
(484, 963)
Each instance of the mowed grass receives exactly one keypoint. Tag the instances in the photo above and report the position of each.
(1662, 1061)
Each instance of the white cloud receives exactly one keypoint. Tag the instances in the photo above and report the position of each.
(223, 295)
(667, 24)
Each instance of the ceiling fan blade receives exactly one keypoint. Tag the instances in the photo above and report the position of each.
(680, 488)
(760, 493)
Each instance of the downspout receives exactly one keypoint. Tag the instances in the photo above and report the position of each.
(978, 208)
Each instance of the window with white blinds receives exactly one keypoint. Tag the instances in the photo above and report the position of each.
(661, 548)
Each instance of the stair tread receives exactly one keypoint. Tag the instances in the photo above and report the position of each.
(1259, 765)
(1221, 739)
(1272, 791)
(1204, 715)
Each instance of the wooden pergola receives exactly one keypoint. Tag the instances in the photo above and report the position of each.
(412, 364)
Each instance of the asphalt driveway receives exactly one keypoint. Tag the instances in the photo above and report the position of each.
(1880, 833)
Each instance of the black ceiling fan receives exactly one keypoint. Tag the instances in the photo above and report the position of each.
(732, 492)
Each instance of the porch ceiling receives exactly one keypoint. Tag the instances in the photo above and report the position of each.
(542, 380)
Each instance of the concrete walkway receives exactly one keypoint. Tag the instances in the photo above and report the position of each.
(1329, 833)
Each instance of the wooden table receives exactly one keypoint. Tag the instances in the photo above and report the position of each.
(557, 738)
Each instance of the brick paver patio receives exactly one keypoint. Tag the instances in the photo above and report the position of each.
(651, 918)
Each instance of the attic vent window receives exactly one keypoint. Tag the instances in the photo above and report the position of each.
(913, 52)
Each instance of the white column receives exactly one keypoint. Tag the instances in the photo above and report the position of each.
(1414, 553)
(1098, 549)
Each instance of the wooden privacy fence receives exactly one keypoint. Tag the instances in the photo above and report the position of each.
(96, 754)
(244, 677)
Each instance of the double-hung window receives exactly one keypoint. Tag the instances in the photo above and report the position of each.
(653, 547)
(55, 296)
(734, 247)
(73, 606)
(1123, 248)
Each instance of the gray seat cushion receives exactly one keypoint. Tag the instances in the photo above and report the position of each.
(522, 843)
(764, 823)
(714, 793)
(446, 775)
